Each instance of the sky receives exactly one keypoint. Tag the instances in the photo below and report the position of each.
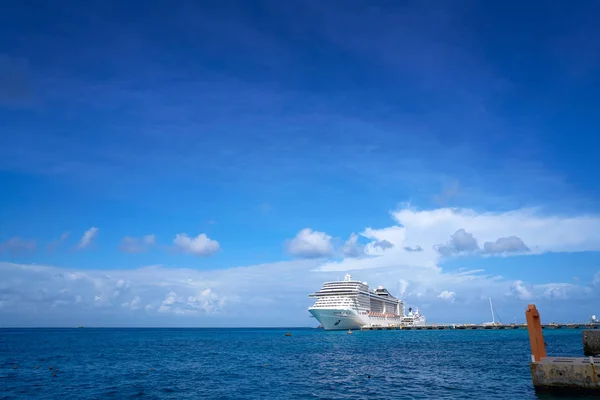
(212, 163)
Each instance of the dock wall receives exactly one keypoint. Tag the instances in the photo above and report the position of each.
(588, 327)
(555, 373)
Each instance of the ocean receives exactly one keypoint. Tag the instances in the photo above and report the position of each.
(267, 364)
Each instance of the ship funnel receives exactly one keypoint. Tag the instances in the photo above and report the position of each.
(347, 278)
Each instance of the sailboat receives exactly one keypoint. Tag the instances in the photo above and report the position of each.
(493, 317)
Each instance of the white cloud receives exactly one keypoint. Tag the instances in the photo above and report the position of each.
(351, 248)
(383, 244)
(137, 245)
(557, 290)
(460, 241)
(402, 286)
(520, 291)
(121, 287)
(463, 242)
(511, 244)
(200, 302)
(134, 304)
(447, 296)
(17, 245)
(88, 237)
(200, 245)
(383, 241)
(169, 301)
(413, 248)
(310, 244)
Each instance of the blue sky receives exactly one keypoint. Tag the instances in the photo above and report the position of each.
(266, 133)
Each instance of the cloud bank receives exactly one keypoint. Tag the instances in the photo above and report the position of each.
(273, 294)
(424, 237)
(276, 294)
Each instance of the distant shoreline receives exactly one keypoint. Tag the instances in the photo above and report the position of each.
(157, 327)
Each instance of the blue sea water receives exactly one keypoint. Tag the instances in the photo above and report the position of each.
(264, 363)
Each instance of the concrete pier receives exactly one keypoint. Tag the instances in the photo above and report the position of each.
(557, 374)
(591, 343)
(560, 373)
(478, 327)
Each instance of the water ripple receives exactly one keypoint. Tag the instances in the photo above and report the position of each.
(263, 363)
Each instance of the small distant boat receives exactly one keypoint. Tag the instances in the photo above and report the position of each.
(80, 327)
(349, 331)
(488, 325)
(288, 334)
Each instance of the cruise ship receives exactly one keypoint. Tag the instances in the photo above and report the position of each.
(349, 304)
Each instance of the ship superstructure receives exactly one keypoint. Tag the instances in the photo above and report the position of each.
(413, 318)
(349, 304)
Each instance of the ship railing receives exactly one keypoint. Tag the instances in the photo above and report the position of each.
(375, 314)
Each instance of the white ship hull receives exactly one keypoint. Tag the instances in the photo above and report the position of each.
(345, 319)
(335, 319)
(420, 321)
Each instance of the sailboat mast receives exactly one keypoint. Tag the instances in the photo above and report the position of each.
(492, 309)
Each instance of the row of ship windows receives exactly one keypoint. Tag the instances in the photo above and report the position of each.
(344, 284)
(333, 299)
(334, 302)
(360, 296)
(363, 302)
(337, 303)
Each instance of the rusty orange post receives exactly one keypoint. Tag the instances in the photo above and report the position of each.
(534, 326)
